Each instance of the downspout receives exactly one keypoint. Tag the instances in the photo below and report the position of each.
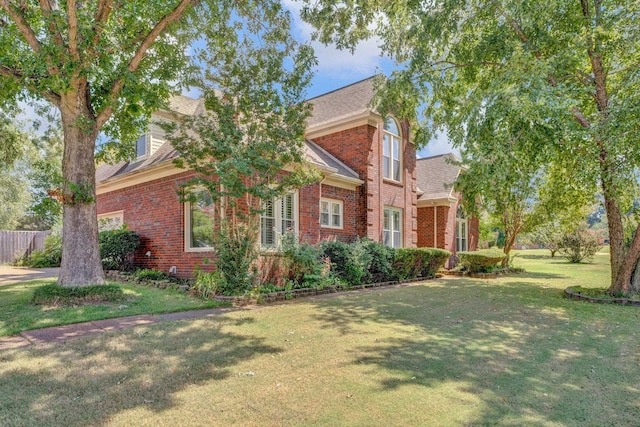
(435, 226)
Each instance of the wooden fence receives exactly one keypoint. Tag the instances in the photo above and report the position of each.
(15, 244)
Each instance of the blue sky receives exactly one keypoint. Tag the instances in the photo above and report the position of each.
(338, 68)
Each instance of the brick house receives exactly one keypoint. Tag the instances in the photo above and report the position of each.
(441, 219)
(368, 186)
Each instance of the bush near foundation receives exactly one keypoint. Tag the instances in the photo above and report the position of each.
(411, 263)
(482, 261)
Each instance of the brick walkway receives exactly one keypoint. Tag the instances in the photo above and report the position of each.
(63, 333)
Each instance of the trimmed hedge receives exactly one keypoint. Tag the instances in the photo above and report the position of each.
(482, 261)
(419, 262)
(117, 248)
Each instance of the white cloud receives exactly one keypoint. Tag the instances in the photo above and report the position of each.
(439, 144)
(332, 62)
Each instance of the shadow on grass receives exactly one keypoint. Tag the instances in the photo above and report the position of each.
(143, 367)
(529, 355)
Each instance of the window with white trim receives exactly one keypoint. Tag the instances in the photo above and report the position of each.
(462, 228)
(391, 150)
(392, 228)
(199, 221)
(141, 146)
(330, 213)
(279, 217)
(110, 221)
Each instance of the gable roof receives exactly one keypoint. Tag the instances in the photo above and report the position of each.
(435, 176)
(341, 103)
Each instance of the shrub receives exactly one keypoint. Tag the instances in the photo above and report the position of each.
(579, 245)
(419, 262)
(302, 262)
(236, 255)
(57, 295)
(50, 256)
(382, 259)
(350, 262)
(151, 274)
(481, 261)
(434, 260)
(117, 248)
(207, 284)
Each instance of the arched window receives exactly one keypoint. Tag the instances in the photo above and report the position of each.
(391, 150)
(462, 228)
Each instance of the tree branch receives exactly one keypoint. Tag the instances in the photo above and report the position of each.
(47, 7)
(102, 15)
(24, 27)
(584, 122)
(73, 29)
(116, 89)
(50, 96)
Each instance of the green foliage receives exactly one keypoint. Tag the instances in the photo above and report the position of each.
(481, 261)
(350, 262)
(303, 264)
(57, 295)
(419, 262)
(253, 85)
(117, 248)
(207, 284)
(50, 256)
(236, 254)
(382, 260)
(150, 274)
(579, 245)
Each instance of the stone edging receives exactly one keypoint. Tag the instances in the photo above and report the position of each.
(305, 292)
(492, 275)
(568, 293)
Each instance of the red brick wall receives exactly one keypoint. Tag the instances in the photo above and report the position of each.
(154, 211)
(446, 228)
(360, 148)
(349, 221)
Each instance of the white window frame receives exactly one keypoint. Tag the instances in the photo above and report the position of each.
(146, 137)
(390, 157)
(188, 232)
(462, 231)
(278, 220)
(331, 204)
(111, 220)
(392, 233)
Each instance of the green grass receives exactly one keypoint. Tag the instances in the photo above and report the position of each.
(446, 352)
(17, 314)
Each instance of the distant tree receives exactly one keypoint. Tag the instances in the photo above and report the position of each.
(568, 67)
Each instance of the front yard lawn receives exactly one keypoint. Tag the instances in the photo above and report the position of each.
(17, 314)
(446, 352)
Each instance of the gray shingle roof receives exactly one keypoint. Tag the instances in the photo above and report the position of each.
(321, 157)
(435, 176)
(185, 105)
(342, 103)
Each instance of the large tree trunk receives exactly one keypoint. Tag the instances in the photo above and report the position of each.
(81, 263)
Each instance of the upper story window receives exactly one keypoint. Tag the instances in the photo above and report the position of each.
(331, 213)
(279, 217)
(199, 221)
(391, 150)
(141, 146)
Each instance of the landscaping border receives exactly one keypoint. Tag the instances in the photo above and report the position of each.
(270, 297)
(569, 294)
(491, 275)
